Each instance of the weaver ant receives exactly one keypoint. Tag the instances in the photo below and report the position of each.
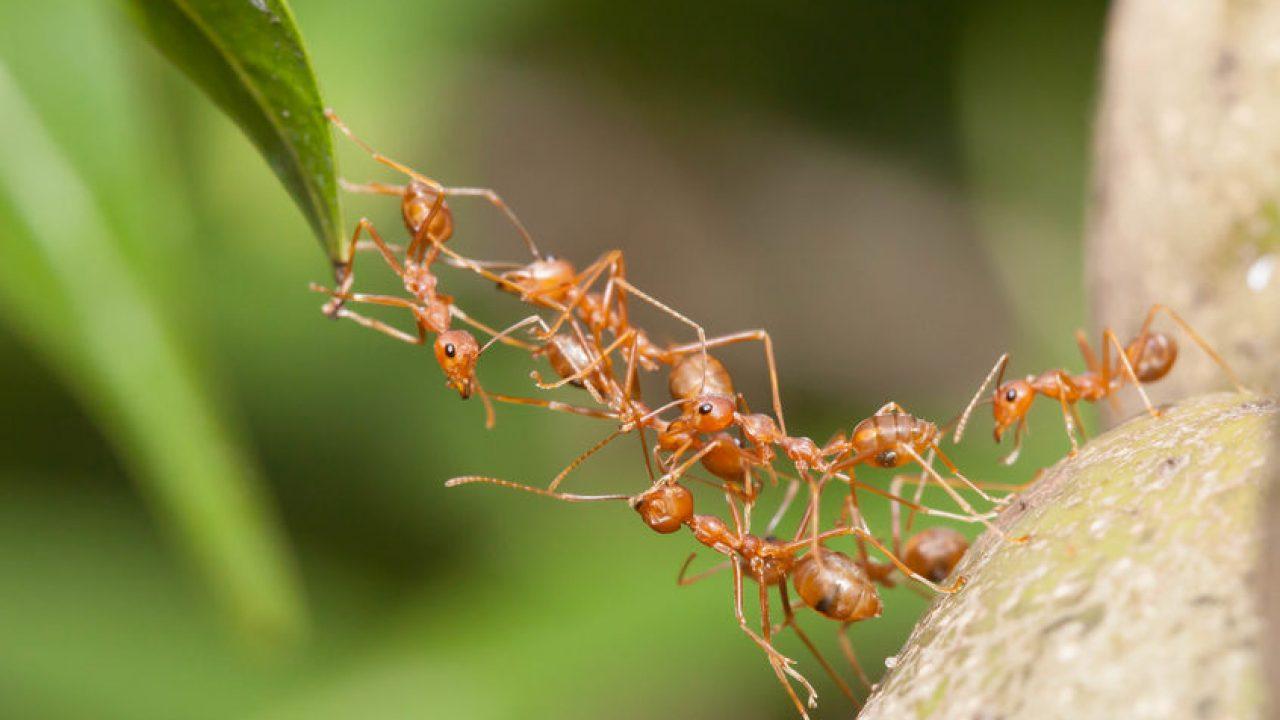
(429, 220)
(1148, 357)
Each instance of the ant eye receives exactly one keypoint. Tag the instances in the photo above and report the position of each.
(450, 349)
(705, 408)
(1011, 394)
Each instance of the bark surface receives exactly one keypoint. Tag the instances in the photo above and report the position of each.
(1185, 206)
(1133, 596)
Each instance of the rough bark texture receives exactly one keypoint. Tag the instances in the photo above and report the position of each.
(1186, 188)
(1133, 597)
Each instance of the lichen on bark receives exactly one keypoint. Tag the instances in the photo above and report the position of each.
(1133, 596)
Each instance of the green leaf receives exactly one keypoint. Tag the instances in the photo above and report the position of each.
(248, 57)
(66, 287)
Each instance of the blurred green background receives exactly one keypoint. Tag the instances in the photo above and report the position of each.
(215, 503)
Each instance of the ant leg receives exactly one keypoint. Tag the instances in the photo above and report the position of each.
(854, 511)
(793, 489)
(951, 467)
(372, 324)
(1195, 337)
(495, 200)
(346, 269)
(789, 620)
(1091, 362)
(555, 405)
(1109, 335)
(922, 509)
(702, 335)
(902, 567)
(779, 662)
(891, 405)
(1067, 419)
(761, 336)
(964, 504)
(895, 512)
(1075, 413)
(346, 313)
(919, 492)
(847, 647)
(567, 497)
(682, 580)
(1086, 350)
(1018, 433)
(674, 475)
(371, 188)
(767, 631)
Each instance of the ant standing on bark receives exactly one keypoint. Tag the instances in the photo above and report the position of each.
(1148, 357)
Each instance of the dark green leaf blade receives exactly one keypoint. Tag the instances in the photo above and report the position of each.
(248, 56)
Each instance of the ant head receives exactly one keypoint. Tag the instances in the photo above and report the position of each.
(935, 552)
(457, 352)
(836, 586)
(1010, 404)
(711, 413)
(1153, 356)
(422, 204)
(665, 508)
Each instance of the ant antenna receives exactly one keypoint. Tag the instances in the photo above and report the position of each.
(497, 337)
(997, 372)
(567, 497)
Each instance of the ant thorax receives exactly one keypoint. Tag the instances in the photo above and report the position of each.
(419, 281)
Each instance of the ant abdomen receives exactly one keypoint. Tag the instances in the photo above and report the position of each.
(547, 279)
(665, 508)
(567, 357)
(935, 552)
(1154, 357)
(880, 436)
(726, 460)
(686, 381)
(417, 204)
(836, 586)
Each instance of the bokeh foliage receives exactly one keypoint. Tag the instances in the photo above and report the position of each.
(427, 603)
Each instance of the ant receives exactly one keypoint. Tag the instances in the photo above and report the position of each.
(429, 220)
(826, 582)
(547, 281)
(1148, 357)
(893, 437)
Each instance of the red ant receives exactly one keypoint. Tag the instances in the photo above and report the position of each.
(1148, 357)
(892, 437)
(828, 583)
(429, 220)
(546, 281)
